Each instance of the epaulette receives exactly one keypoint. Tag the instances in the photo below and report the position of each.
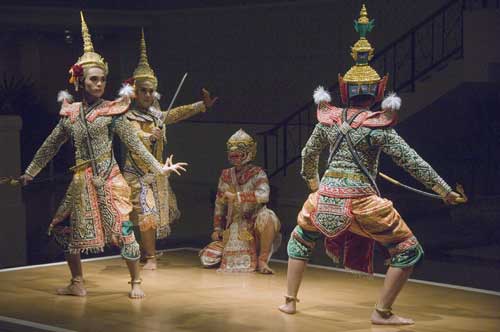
(328, 115)
(70, 110)
(107, 108)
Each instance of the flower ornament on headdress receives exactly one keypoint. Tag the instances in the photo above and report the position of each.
(88, 59)
(130, 81)
(76, 71)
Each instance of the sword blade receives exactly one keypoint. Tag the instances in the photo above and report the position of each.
(177, 91)
(173, 99)
(415, 190)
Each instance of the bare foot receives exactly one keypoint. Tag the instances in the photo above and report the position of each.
(150, 264)
(389, 319)
(264, 268)
(290, 306)
(136, 292)
(75, 288)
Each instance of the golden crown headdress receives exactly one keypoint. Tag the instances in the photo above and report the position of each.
(362, 79)
(144, 72)
(89, 57)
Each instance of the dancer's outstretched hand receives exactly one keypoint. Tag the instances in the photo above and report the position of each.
(25, 179)
(207, 99)
(456, 197)
(171, 167)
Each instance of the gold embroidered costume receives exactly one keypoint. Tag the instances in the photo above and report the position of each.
(154, 202)
(98, 199)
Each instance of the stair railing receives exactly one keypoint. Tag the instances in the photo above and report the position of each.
(426, 47)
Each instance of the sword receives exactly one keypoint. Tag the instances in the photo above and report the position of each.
(397, 183)
(164, 117)
(459, 189)
(10, 180)
(173, 99)
(14, 181)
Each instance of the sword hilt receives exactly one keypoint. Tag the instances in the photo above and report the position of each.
(461, 191)
(9, 180)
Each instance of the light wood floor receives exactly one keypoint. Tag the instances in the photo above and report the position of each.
(181, 296)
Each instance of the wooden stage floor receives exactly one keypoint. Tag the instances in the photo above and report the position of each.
(181, 296)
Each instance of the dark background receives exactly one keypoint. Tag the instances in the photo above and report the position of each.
(263, 59)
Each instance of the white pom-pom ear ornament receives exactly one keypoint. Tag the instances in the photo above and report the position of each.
(321, 95)
(64, 95)
(126, 90)
(156, 95)
(391, 102)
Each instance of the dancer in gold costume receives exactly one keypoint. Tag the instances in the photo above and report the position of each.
(98, 199)
(154, 202)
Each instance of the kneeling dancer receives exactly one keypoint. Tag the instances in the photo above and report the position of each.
(248, 229)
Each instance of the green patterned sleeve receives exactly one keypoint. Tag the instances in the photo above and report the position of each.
(48, 150)
(128, 135)
(404, 156)
(317, 142)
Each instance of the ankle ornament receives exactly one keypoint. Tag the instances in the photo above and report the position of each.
(289, 299)
(135, 282)
(77, 280)
(384, 312)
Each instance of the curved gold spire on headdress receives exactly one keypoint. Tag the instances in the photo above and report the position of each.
(143, 57)
(89, 57)
(87, 41)
(144, 72)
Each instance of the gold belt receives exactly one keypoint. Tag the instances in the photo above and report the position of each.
(82, 164)
(344, 175)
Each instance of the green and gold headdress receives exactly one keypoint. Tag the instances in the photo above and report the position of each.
(361, 79)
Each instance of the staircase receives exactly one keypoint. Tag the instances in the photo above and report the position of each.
(433, 49)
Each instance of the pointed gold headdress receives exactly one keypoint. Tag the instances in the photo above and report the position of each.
(89, 57)
(144, 72)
